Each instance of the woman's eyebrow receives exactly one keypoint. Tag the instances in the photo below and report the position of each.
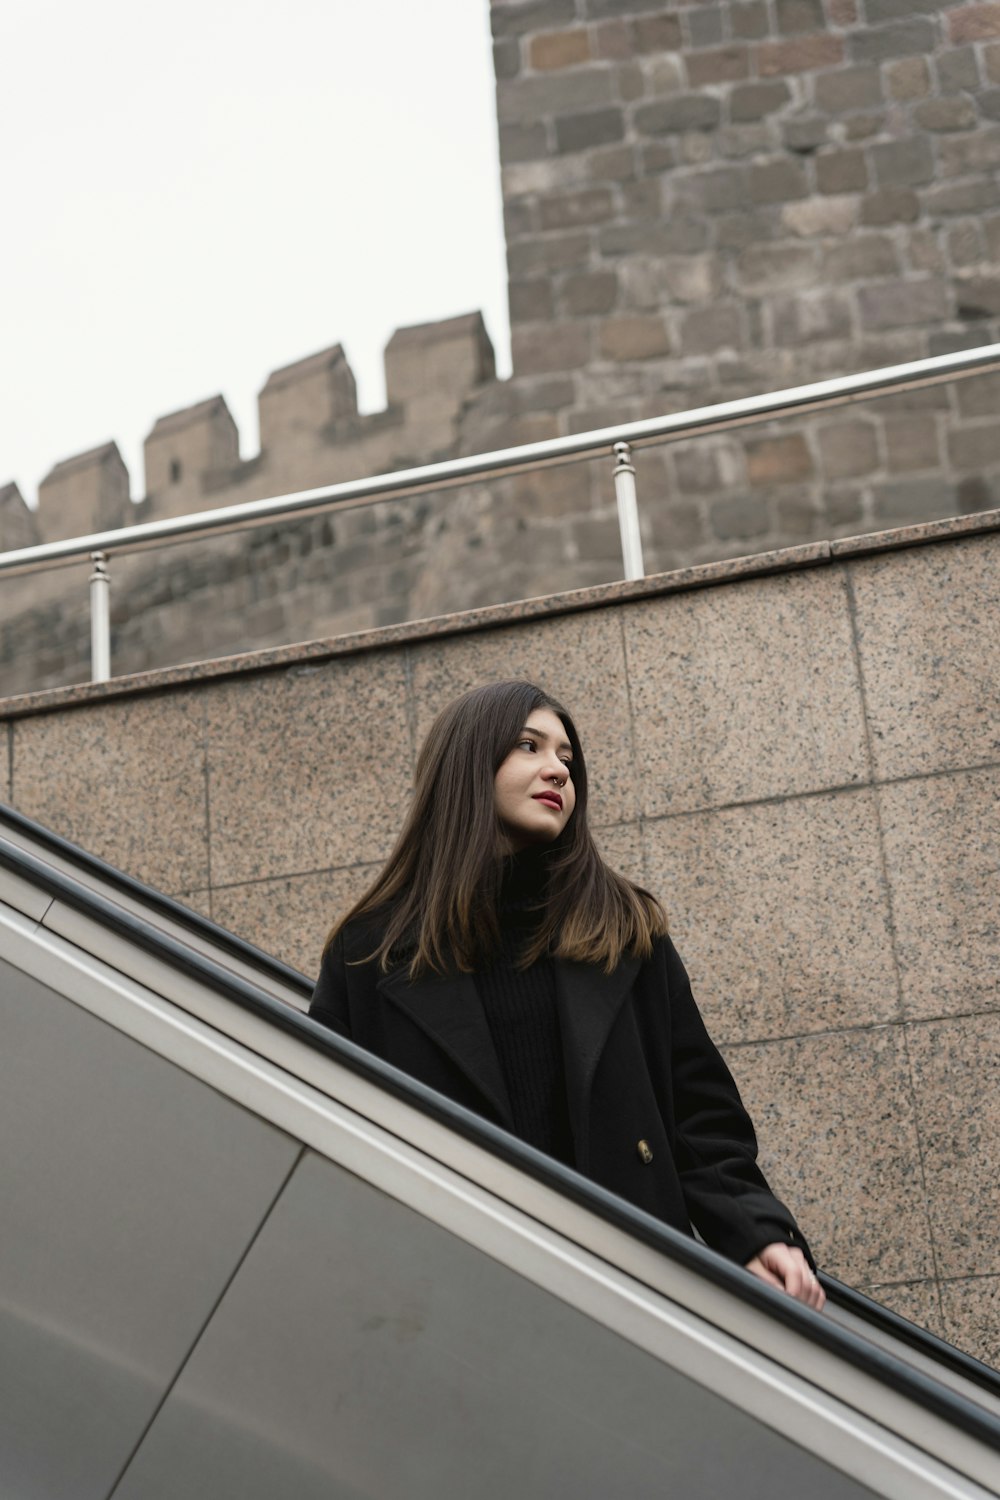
(541, 735)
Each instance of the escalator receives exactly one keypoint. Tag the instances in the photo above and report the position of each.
(241, 1257)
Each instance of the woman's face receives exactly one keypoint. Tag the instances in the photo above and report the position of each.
(535, 777)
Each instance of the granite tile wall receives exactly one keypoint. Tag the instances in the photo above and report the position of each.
(804, 765)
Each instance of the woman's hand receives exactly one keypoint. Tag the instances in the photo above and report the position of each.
(785, 1267)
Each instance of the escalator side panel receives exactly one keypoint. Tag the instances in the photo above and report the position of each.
(130, 1193)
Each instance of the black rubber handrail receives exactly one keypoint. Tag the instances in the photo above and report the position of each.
(931, 1395)
(165, 906)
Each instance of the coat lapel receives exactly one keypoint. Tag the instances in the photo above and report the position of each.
(588, 1001)
(447, 1008)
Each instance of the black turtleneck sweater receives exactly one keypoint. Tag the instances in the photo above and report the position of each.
(520, 1008)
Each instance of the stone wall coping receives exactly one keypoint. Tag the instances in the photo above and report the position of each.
(493, 616)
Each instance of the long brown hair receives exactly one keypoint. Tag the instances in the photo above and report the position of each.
(440, 885)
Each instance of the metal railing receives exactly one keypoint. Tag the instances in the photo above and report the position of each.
(617, 442)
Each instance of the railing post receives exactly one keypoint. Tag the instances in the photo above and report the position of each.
(628, 512)
(100, 618)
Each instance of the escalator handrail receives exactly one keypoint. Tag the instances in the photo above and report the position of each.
(941, 1400)
(149, 896)
(921, 1340)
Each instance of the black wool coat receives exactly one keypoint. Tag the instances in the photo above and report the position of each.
(655, 1113)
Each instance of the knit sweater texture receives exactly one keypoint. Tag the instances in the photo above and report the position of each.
(520, 1008)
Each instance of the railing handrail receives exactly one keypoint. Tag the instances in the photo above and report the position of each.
(506, 461)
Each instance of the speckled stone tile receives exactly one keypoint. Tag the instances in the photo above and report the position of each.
(744, 693)
(308, 768)
(577, 658)
(956, 1072)
(930, 655)
(916, 1301)
(620, 845)
(838, 1145)
(291, 917)
(972, 1317)
(780, 913)
(942, 849)
(124, 780)
(6, 733)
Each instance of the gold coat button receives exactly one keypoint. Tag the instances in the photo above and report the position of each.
(645, 1155)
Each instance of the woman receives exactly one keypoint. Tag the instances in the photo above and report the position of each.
(498, 959)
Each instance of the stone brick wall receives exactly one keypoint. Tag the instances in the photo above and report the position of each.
(798, 763)
(702, 200)
(708, 200)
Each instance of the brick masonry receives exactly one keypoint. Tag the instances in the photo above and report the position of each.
(702, 200)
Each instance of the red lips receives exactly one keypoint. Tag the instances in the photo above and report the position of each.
(553, 798)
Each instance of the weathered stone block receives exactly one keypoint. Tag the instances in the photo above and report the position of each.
(892, 205)
(891, 304)
(845, 89)
(975, 447)
(957, 70)
(977, 296)
(685, 112)
(745, 140)
(820, 216)
(778, 182)
(539, 351)
(506, 58)
(598, 127)
(906, 502)
(552, 253)
(722, 65)
(974, 23)
(186, 447)
(843, 13)
(754, 101)
(589, 292)
(911, 443)
(705, 330)
(612, 164)
(806, 134)
(739, 518)
(978, 151)
(523, 142)
(811, 317)
(656, 34)
(705, 26)
(980, 396)
(683, 234)
(774, 267)
(799, 56)
(848, 448)
(910, 78)
(778, 460)
(960, 197)
(799, 15)
(899, 40)
(592, 205)
(991, 57)
(717, 189)
(904, 163)
(841, 172)
(559, 49)
(749, 20)
(535, 15)
(634, 338)
(955, 113)
(554, 94)
(530, 301)
(861, 258)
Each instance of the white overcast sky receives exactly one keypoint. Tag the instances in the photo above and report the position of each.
(194, 194)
